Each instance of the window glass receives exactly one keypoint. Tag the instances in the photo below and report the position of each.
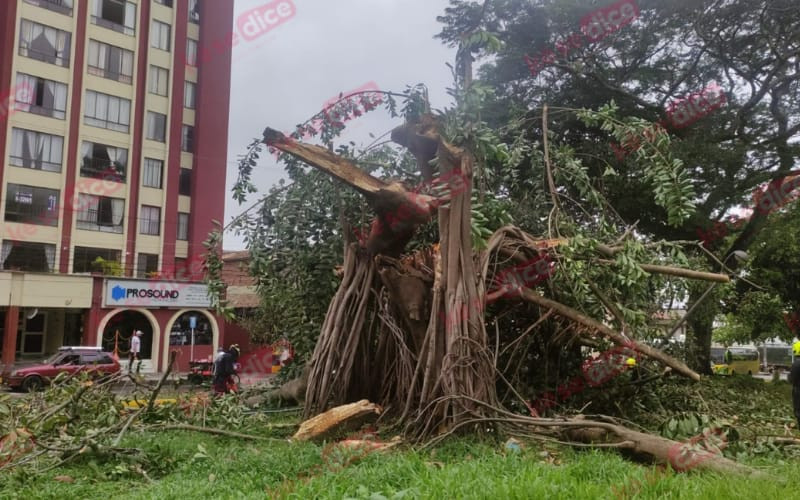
(32, 205)
(107, 111)
(36, 150)
(44, 43)
(152, 173)
(156, 126)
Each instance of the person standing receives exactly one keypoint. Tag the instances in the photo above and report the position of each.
(224, 370)
(136, 347)
(794, 379)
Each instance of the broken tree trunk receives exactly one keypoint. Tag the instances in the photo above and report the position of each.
(336, 419)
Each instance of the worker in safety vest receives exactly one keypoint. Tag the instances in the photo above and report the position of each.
(794, 379)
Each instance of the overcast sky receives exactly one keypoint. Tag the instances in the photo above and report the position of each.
(283, 77)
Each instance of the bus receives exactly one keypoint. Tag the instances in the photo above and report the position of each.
(743, 360)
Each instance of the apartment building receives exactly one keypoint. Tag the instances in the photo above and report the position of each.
(113, 144)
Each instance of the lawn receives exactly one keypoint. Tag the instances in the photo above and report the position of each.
(195, 465)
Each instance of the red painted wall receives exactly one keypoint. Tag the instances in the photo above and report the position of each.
(134, 171)
(211, 128)
(175, 134)
(8, 14)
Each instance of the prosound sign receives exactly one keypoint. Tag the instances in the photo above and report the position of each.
(154, 294)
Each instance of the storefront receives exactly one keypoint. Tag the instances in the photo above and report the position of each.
(40, 312)
(171, 315)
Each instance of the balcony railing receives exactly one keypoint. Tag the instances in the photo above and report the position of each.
(89, 219)
(60, 6)
(113, 25)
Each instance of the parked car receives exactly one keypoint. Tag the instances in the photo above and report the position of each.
(67, 360)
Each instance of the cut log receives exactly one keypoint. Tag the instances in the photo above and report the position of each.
(336, 419)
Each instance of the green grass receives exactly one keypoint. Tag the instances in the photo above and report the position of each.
(460, 469)
(197, 466)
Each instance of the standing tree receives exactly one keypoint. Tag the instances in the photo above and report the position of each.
(749, 47)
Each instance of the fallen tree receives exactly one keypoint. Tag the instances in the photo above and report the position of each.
(411, 330)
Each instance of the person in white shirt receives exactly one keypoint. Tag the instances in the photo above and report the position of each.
(136, 347)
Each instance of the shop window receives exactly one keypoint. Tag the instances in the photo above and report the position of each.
(181, 333)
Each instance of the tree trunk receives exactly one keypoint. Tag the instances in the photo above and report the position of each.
(698, 338)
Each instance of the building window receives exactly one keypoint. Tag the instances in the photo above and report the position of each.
(185, 182)
(191, 52)
(86, 259)
(108, 61)
(183, 226)
(194, 11)
(182, 332)
(189, 94)
(151, 176)
(27, 256)
(159, 35)
(150, 220)
(100, 161)
(36, 150)
(32, 205)
(166, 3)
(107, 111)
(159, 80)
(40, 96)
(146, 265)
(60, 6)
(117, 15)
(156, 126)
(187, 139)
(100, 213)
(44, 43)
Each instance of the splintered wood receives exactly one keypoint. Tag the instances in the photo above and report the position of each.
(335, 419)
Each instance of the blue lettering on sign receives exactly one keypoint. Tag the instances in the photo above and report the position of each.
(119, 293)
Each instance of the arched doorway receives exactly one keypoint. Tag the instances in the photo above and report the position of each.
(117, 329)
(206, 337)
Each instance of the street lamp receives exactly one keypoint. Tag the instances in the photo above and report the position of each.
(741, 256)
